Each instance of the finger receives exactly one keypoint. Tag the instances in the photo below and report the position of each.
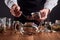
(43, 14)
(12, 12)
(13, 7)
(18, 8)
(43, 18)
(20, 13)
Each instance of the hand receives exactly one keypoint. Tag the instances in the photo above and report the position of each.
(15, 10)
(44, 13)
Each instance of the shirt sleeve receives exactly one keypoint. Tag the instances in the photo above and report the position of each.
(50, 4)
(9, 3)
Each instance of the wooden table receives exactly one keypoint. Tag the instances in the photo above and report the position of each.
(11, 35)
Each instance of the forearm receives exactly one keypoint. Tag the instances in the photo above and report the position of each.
(50, 4)
(10, 3)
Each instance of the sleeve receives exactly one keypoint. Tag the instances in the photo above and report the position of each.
(10, 3)
(50, 4)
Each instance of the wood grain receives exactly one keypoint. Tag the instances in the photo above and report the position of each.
(11, 35)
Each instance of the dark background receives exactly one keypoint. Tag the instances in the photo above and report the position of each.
(4, 11)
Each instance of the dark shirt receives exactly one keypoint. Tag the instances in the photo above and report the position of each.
(55, 13)
(29, 6)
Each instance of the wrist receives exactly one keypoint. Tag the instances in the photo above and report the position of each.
(13, 5)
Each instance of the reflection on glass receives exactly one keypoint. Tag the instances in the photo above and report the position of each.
(3, 20)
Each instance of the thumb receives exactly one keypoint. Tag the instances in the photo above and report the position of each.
(18, 8)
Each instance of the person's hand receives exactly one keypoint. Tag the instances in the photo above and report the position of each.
(44, 13)
(15, 10)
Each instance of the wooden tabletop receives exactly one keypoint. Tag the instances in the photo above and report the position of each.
(11, 35)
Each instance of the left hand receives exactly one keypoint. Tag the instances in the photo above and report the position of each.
(44, 13)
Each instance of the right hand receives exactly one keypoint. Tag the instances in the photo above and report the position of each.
(15, 11)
